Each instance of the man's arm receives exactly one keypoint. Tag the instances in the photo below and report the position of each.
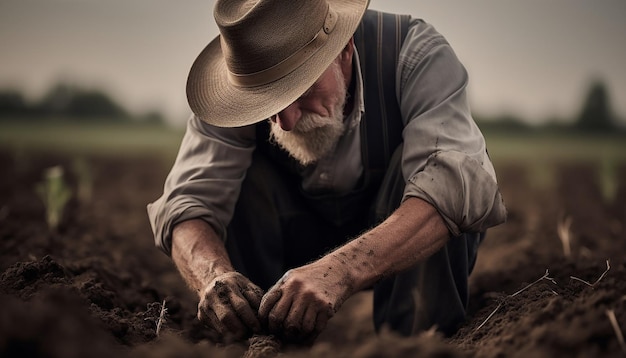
(198, 253)
(306, 297)
(205, 180)
(411, 234)
(228, 300)
(189, 222)
(444, 157)
(450, 188)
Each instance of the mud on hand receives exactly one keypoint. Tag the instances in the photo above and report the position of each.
(298, 307)
(228, 307)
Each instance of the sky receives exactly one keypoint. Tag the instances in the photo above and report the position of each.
(531, 58)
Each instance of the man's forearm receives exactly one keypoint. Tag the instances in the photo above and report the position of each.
(198, 253)
(411, 234)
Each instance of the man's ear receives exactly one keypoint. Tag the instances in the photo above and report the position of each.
(345, 61)
(348, 51)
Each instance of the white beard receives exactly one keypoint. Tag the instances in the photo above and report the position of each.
(313, 136)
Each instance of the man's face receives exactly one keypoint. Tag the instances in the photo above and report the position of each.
(311, 126)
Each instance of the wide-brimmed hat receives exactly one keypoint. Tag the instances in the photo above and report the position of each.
(268, 53)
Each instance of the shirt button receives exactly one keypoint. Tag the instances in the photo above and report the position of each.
(324, 176)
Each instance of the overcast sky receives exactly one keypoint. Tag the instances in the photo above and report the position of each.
(534, 58)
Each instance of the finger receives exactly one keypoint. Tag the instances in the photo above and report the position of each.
(209, 319)
(308, 321)
(229, 319)
(278, 314)
(272, 296)
(245, 312)
(322, 319)
(293, 321)
(253, 294)
(222, 289)
(268, 301)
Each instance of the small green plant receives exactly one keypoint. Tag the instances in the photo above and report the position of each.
(55, 194)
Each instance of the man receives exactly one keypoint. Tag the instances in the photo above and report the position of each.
(331, 150)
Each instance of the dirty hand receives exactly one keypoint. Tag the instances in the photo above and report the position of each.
(300, 304)
(228, 307)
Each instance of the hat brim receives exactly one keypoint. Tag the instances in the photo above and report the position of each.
(215, 100)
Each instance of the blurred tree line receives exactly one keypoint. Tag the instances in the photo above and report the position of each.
(595, 116)
(69, 102)
(76, 103)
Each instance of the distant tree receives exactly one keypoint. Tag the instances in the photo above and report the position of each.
(503, 122)
(153, 117)
(94, 104)
(512, 122)
(55, 102)
(596, 114)
(12, 103)
(75, 102)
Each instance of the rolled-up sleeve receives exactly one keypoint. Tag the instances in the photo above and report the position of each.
(205, 180)
(445, 160)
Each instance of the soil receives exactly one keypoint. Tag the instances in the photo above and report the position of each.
(95, 286)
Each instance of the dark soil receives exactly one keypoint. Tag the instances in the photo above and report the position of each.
(94, 287)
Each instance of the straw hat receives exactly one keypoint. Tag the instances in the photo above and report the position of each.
(268, 54)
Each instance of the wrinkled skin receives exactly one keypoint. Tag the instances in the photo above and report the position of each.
(228, 307)
(298, 307)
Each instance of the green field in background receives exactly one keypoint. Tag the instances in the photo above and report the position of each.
(99, 137)
(537, 151)
(553, 146)
(129, 138)
(541, 152)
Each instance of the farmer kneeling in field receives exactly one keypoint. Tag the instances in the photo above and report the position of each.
(331, 150)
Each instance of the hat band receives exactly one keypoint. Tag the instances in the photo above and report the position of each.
(290, 63)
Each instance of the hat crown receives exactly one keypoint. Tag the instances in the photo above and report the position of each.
(259, 34)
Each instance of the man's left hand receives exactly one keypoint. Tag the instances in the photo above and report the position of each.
(300, 304)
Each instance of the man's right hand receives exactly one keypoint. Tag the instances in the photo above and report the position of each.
(228, 307)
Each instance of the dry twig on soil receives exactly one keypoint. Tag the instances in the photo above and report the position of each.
(618, 331)
(544, 277)
(152, 317)
(608, 267)
(161, 318)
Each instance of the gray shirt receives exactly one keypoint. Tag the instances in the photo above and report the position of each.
(444, 158)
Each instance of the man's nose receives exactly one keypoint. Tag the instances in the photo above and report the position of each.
(288, 117)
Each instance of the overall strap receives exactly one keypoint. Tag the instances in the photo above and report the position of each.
(378, 40)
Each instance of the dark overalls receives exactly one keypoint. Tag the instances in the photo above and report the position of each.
(276, 226)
